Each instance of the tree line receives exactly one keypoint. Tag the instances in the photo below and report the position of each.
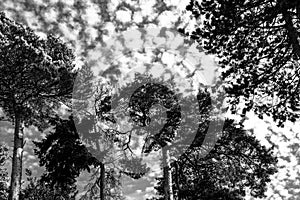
(257, 45)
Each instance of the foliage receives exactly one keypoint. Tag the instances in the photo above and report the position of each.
(141, 101)
(38, 189)
(113, 186)
(63, 156)
(258, 49)
(35, 75)
(237, 162)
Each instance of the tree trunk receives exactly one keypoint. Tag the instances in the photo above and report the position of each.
(102, 182)
(168, 189)
(16, 174)
(177, 181)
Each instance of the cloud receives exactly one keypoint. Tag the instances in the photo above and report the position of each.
(149, 189)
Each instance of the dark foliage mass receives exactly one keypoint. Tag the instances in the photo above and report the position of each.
(36, 77)
(63, 156)
(35, 74)
(257, 43)
(37, 189)
(237, 162)
(140, 104)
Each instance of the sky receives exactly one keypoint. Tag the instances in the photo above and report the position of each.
(265, 130)
(136, 62)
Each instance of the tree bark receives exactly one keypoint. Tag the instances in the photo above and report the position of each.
(177, 181)
(102, 182)
(167, 172)
(16, 174)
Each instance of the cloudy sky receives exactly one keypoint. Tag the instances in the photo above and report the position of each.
(265, 130)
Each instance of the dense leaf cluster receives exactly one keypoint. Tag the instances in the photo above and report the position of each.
(36, 74)
(237, 162)
(140, 103)
(37, 189)
(63, 156)
(257, 45)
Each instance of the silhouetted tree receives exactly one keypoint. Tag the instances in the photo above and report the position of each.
(138, 100)
(92, 110)
(36, 75)
(141, 101)
(258, 49)
(63, 156)
(37, 189)
(112, 189)
(237, 162)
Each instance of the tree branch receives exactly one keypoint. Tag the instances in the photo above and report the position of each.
(291, 32)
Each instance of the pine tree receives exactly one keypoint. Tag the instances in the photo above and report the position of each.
(258, 50)
(36, 75)
(64, 157)
(237, 162)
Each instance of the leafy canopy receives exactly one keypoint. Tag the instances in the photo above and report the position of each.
(63, 156)
(237, 162)
(36, 74)
(257, 45)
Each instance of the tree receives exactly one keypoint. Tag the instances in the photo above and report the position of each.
(38, 189)
(238, 161)
(36, 76)
(170, 133)
(3, 172)
(258, 50)
(64, 157)
(112, 189)
(140, 104)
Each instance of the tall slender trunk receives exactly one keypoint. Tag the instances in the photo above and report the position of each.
(102, 182)
(168, 189)
(16, 174)
(177, 181)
